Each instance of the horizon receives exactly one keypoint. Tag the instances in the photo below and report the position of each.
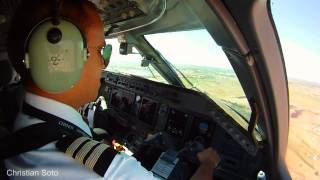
(290, 79)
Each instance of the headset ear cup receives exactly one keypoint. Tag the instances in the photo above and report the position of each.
(26, 60)
(56, 66)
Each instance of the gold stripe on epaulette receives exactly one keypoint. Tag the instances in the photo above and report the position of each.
(94, 156)
(84, 150)
(74, 146)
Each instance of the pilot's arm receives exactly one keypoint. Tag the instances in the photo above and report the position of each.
(209, 160)
(110, 164)
(102, 159)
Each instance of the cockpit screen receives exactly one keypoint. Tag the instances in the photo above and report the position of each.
(177, 121)
(147, 110)
(122, 100)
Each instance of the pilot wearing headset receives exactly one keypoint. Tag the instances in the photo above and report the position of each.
(58, 48)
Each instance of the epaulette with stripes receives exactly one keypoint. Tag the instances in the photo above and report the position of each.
(93, 154)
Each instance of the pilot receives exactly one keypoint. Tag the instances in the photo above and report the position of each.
(58, 48)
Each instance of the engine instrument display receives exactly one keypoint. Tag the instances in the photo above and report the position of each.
(147, 111)
(122, 100)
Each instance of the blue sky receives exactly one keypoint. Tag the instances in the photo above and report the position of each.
(298, 21)
(298, 25)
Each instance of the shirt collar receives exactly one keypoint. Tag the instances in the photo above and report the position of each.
(57, 109)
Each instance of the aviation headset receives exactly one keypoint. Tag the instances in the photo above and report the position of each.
(55, 53)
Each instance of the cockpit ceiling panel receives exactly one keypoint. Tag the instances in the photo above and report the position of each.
(177, 16)
(114, 11)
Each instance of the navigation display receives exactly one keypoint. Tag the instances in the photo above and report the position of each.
(122, 100)
(148, 110)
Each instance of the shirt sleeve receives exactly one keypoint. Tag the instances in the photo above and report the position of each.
(125, 167)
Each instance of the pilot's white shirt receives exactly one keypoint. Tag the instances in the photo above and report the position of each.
(49, 163)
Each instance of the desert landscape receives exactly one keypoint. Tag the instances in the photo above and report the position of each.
(303, 153)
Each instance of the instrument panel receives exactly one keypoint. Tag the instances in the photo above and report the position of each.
(143, 107)
(151, 115)
(140, 107)
(149, 107)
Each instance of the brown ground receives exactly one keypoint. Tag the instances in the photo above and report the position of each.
(303, 154)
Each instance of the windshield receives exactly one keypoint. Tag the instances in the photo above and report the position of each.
(198, 59)
(131, 64)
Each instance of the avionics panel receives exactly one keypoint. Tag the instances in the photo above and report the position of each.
(177, 121)
(135, 106)
(122, 100)
(202, 127)
(148, 111)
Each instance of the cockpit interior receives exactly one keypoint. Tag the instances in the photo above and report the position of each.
(165, 123)
(181, 122)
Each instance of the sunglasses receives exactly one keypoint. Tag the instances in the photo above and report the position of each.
(106, 54)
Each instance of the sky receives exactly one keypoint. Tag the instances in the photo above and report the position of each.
(190, 47)
(298, 26)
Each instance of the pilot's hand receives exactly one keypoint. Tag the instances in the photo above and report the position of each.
(209, 160)
(209, 156)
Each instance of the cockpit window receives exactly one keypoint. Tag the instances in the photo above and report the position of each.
(131, 64)
(202, 65)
